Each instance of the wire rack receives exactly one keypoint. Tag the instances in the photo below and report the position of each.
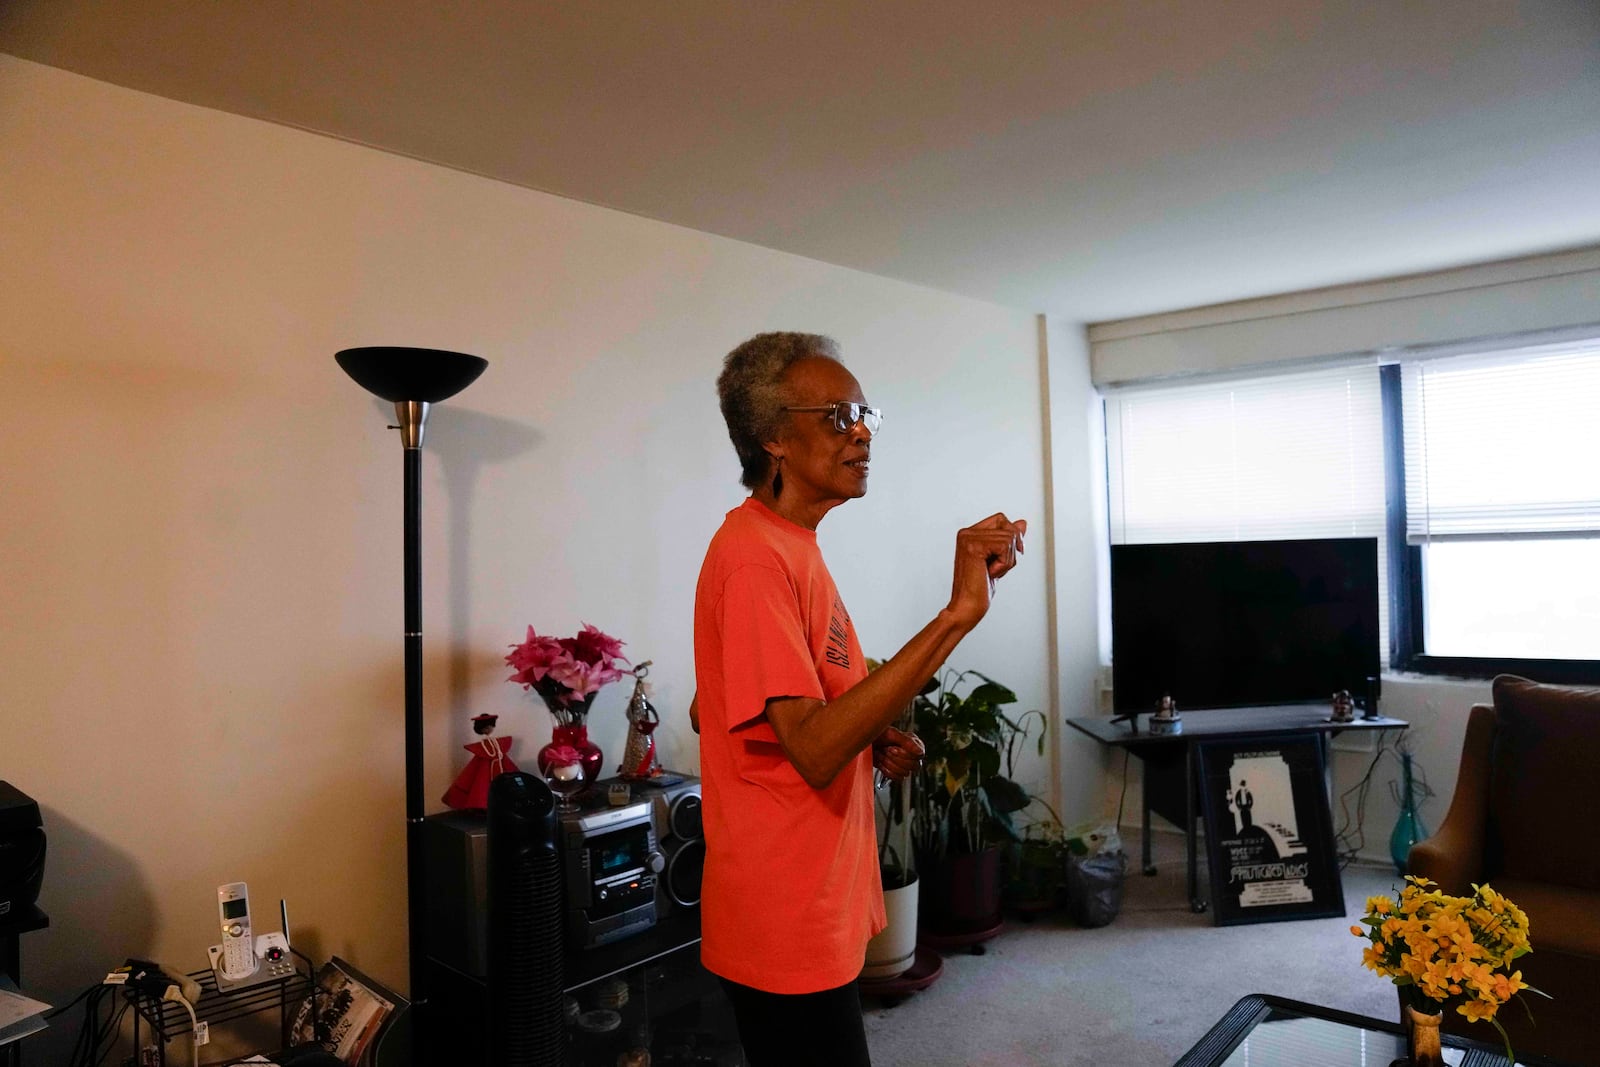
(169, 1020)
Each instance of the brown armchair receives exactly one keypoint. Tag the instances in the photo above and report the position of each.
(1525, 817)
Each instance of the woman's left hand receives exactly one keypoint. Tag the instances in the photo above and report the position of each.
(897, 754)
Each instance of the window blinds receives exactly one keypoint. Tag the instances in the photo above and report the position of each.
(1503, 444)
(1290, 456)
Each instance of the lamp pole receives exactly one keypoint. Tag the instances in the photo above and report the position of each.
(413, 379)
(414, 417)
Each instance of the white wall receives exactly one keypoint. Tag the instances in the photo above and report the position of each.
(1077, 459)
(201, 556)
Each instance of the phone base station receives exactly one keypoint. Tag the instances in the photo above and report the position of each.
(267, 969)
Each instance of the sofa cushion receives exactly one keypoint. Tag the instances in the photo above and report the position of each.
(1546, 754)
(1560, 918)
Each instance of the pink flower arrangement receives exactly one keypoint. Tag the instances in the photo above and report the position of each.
(567, 671)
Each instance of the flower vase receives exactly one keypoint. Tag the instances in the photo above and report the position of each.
(571, 762)
(1422, 1037)
(1408, 828)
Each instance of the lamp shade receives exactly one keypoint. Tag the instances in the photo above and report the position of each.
(428, 375)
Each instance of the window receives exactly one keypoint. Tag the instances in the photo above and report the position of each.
(1290, 456)
(1479, 475)
(1501, 511)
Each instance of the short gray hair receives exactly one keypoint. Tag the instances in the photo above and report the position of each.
(750, 389)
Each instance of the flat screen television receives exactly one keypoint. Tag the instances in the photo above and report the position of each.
(1242, 623)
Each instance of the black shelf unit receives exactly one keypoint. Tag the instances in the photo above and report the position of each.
(675, 1010)
(674, 1003)
(585, 966)
(167, 1020)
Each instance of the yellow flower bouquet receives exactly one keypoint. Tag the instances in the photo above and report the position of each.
(1444, 951)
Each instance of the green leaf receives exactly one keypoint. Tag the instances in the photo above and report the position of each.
(985, 757)
(993, 693)
(1005, 795)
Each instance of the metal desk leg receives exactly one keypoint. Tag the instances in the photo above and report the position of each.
(1144, 800)
(1197, 903)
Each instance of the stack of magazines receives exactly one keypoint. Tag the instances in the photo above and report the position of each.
(344, 1013)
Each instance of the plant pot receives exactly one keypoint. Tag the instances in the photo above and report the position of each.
(961, 893)
(1035, 873)
(894, 949)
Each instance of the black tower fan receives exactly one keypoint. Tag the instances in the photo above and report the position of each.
(525, 938)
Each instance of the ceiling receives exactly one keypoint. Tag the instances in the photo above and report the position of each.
(1094, 160)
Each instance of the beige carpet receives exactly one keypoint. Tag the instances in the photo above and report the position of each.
(1140, 991)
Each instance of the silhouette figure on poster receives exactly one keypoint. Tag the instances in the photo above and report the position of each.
(1243, 801)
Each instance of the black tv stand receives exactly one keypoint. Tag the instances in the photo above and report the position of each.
(1171, 780)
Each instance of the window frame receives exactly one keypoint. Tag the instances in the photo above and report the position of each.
(1406, 652)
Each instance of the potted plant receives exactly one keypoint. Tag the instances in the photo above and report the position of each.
(1035, 861)
(1036, 866)
(963, 802)
(893, 950)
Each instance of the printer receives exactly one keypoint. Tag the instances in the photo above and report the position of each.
(21, 851)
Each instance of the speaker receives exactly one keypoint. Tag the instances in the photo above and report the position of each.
(526, 965)
(456, 844)
(22, 849)
(680, 834)
(1374, 691)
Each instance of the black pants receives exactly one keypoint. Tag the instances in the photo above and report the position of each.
(800, 1029)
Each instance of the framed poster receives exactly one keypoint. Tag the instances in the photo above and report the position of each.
(1269, 833)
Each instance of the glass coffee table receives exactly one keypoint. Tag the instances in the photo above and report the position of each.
(1267, 1031)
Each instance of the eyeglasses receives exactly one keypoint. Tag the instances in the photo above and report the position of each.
(846, 415)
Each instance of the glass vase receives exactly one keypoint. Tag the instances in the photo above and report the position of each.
(570, 777)
(1408, 827)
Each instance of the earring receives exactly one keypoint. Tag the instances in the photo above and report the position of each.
(777, 478)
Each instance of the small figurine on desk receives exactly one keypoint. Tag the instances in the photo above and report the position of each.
(1166, 719)
(470, 791)
(1344, 707)
(639, 757)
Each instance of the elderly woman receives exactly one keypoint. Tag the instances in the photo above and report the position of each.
(791, 723)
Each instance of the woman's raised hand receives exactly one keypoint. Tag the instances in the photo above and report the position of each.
(984, 552)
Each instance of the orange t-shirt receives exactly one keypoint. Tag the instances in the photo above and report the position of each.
(791, 892)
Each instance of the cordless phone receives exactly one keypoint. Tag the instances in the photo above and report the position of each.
(238, 957)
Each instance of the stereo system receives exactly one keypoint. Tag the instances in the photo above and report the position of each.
(622, 867)
(611, 861)
(631, 864)
(681, 836)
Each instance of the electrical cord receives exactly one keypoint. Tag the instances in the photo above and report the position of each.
(53, 1012)
(109, 1035)
(1350, 850)
(1352, 841)
(175, 995)
(86, 1050)
(99, 1034)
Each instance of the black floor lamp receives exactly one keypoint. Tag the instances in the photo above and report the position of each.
(413, 379)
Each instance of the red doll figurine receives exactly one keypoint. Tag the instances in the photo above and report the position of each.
(471, 788)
